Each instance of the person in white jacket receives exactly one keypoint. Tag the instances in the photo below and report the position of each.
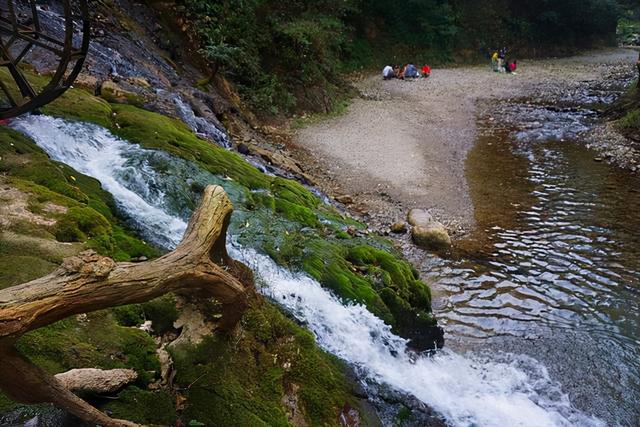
(387, 72)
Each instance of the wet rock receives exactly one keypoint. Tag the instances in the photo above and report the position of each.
(433, 236)
(345, 199)
(140, 82)
(96, 380)
(243, 149)
(399, 227)
(113, 92)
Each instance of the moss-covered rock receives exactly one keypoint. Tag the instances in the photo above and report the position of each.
(245, 379)
(144, 407)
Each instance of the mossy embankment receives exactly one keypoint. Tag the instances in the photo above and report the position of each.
(251, 375)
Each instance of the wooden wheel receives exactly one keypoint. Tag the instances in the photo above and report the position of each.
(66, 40)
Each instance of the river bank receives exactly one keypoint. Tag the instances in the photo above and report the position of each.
(403, 144)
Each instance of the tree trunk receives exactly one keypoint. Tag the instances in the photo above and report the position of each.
(199, 266)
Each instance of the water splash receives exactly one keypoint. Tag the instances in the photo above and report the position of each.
(471, 389)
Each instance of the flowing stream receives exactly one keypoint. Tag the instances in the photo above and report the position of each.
(468, 389)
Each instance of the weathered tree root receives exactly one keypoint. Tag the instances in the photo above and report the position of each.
(199, 267)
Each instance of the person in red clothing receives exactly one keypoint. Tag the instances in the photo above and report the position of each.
(512, 67)
(426, 71)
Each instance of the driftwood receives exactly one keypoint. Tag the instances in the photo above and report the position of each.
(91, 380)
(199, 267)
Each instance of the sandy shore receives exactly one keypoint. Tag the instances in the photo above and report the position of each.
(403, 144)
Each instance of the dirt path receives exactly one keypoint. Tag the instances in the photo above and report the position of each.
(404, 143)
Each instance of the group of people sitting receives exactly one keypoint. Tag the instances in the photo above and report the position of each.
(499, 62)
(409, 71)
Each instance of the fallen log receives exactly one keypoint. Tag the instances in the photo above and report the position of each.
(198, 268)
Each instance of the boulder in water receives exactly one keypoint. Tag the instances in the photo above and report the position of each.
(427, 232)
(433, 236)
(243, 149)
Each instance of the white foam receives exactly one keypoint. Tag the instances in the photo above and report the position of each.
(472, 389)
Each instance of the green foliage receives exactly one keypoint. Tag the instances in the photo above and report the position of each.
(272, 49)
(286, 56)
(631, 121)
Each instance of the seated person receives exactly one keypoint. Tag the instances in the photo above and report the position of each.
(426, 71)
(411, 71)
(388, 72)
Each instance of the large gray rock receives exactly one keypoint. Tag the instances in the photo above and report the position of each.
(434, 236)
(96, 380)
(427, 232)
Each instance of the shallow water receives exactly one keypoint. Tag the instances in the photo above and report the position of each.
(553, 269)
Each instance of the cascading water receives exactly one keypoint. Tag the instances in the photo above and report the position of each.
(472, 389)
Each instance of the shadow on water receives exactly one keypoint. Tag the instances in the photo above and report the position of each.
(553, 269)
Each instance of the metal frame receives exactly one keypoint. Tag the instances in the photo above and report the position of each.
(19, 35)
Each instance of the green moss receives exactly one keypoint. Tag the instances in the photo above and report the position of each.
(144, 407)
(80, 105)
(242, 380)
(90, 215)
(13, 271)
(115, 95)
(402, 417)
(162, 313)
(74, 104)
(293, 192)
(97, 342)
(297, 213)
(79, 223)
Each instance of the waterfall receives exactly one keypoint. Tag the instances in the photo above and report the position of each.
(467, 389)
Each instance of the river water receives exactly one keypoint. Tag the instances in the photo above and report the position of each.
(553, 269)
(468, 388)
